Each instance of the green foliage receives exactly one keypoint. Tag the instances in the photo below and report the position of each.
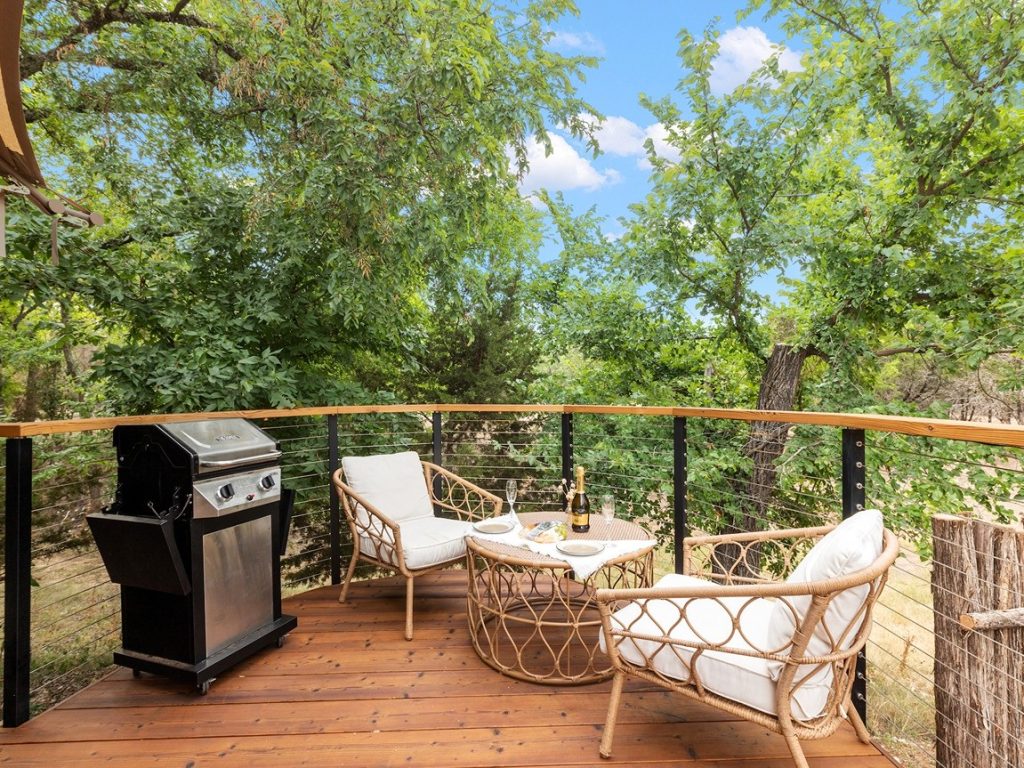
(882, 177)
(313, 202)
(283, 182)
(630, 459)
(479, 340)
(882, 181)
(613, 337)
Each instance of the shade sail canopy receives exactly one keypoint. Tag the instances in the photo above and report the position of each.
(17, 161)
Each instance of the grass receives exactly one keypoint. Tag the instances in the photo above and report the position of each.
(75, 625)
(901, 652)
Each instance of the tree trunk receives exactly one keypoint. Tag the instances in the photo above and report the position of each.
(42, 394)
(779, 385)
(28, 406)
(71, 367)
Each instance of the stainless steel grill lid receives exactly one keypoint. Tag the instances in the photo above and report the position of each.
(222, 443)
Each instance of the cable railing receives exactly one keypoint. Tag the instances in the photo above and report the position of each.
(674, 470)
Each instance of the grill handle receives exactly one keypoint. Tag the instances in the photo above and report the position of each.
(235, 462)
(285, 520)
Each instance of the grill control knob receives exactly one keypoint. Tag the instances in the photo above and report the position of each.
(225, 492)
(267, 482)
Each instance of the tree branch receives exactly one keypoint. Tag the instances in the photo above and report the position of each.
(24, 311)
(843, 26)
(990, 395)
(1000, 202)
(994, 156)
(958, 65)
(910, 349)
(841, 310)
(108, 15)
(117, 242)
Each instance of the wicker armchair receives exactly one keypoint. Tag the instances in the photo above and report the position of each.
(390, 503)
(782, 654)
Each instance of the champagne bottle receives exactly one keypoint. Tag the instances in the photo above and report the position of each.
(580, 508)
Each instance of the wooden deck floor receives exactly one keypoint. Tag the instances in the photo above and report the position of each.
(347, 690)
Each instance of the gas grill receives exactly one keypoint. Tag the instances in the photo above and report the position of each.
(194, 538)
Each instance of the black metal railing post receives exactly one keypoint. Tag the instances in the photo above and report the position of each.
(435, 424)
(333, 463)
(681, 526)
(853, 471)
(853, 501)
(17, 590)
(435, 429)
(567, 447)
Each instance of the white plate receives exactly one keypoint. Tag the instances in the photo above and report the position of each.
(492, 526)
(579, 548)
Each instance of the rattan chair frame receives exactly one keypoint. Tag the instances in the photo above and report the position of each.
(702, 557)
(448, 492)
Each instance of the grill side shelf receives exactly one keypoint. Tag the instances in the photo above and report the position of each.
(140, 552)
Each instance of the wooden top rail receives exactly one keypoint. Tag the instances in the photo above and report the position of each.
(975, 432)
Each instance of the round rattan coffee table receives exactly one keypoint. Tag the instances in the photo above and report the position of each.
(532, 619)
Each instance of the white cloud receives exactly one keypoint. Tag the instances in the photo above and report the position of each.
(536, 202)
(658, 134)
(612, 176)
(620, 136)
(741, 51)
(563, 169)
(577, 41)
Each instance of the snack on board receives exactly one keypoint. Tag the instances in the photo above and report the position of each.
(547, 532)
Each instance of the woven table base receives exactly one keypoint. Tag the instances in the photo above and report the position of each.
(530, 619)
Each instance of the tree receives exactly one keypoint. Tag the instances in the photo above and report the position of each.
(882, 178)
(480, 345)
(612, 337)
(283, 179)
(609, 337)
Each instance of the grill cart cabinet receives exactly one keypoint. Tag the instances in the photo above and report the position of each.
(194, 539)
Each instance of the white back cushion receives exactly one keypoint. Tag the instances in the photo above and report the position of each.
(393, 483)
(851, 546)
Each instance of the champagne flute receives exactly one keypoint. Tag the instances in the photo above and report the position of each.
(510, 493)
(608, 511)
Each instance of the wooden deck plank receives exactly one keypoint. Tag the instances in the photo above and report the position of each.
(567, 706)
(381, 639)
(348, 690)
(116, 691)
(556, 745)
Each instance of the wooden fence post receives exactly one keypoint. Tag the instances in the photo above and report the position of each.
(979, 674)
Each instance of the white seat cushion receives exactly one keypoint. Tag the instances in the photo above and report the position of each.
(394, 483)
(426, 541)
(746, 679)
(851, 546)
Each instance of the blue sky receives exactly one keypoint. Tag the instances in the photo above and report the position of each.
(638, 43)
